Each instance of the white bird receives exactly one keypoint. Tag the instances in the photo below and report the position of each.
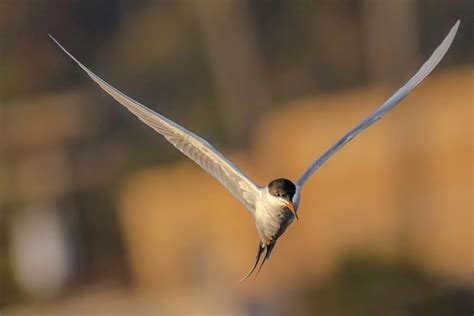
(275, 205)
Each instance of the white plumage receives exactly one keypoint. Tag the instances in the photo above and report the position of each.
(267, 214)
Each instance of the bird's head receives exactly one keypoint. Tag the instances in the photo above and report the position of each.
(284, 190)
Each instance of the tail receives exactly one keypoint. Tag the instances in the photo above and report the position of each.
(259, 253)
(267, 256)
(261, 248)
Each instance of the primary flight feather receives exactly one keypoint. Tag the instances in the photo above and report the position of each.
(275, 205)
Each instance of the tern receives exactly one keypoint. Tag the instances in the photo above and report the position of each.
(275, 205)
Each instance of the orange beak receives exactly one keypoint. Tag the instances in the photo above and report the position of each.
(291, 207)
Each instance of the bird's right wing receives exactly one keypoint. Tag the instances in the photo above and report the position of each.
(424, 71)
(193, 146)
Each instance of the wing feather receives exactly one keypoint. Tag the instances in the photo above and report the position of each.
(424, 71)
(193, 146)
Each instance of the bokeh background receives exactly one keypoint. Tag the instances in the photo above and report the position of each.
(101, 216)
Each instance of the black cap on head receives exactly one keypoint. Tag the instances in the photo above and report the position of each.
(283, 188)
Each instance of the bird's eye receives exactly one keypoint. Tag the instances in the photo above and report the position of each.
(277, 194)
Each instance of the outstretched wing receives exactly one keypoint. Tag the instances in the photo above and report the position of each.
(193, 146)
(424, 71)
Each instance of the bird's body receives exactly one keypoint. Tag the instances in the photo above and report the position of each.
(275, 211)
(274, 206)
(272, 219)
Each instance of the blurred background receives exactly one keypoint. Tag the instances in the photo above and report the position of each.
(99, 215)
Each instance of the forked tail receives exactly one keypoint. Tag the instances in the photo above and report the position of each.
(261, 248)
(259, 253)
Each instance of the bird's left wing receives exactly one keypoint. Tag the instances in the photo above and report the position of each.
(424, 71)
(193, 146)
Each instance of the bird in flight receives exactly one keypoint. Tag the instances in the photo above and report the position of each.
(275, 205)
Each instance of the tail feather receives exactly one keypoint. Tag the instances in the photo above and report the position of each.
(269, 248)
(259, 253)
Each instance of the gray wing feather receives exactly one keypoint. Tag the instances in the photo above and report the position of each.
(193, 146)
(424, 71)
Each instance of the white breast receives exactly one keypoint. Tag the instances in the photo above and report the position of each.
(267, 214)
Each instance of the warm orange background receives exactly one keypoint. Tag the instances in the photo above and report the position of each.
(402, 189)
(99, 215)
